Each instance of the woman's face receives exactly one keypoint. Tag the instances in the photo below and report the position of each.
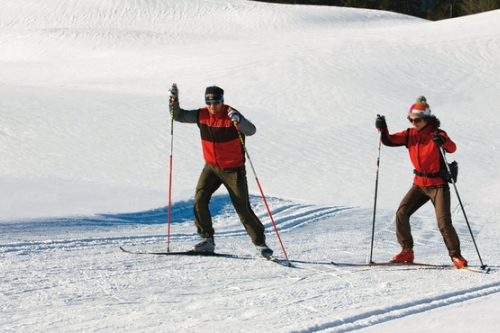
(417, 122)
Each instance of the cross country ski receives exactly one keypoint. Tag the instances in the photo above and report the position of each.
(206, 254)
(185, 253)
(402, 264)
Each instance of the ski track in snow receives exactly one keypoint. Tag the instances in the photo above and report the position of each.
(289, 217)
(386, 314)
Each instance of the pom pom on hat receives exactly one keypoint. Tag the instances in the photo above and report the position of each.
(420, 108)
(421, 100)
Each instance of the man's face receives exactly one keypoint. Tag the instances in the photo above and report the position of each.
(214, 107)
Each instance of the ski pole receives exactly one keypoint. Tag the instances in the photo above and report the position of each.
(483, 266)
(172, 101)
(375, 200)
(261, 191)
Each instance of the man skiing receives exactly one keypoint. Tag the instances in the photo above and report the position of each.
(423, 141)
(220, 129)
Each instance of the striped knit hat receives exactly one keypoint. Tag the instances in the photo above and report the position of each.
(420, 108)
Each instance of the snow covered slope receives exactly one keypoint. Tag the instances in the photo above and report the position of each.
(85, 142)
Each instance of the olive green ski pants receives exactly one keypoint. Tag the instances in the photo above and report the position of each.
(235, 181)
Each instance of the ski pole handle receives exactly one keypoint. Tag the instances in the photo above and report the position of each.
(173, 96)
(235, 123)
(173, 93)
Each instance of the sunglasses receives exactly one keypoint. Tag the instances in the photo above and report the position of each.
(414, 120)
(213, 102)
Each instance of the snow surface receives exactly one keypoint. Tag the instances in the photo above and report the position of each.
(85, 141)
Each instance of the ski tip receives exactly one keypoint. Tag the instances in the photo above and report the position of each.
(334, 263)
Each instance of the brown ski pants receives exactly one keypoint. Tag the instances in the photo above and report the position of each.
(416, 197)
(235, 181)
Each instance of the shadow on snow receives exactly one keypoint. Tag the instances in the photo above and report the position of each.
(285, 213)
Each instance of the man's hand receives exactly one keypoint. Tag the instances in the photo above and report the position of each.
(235, 116)
(174, 92)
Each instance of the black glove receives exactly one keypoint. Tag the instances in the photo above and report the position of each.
(438, 139)
(174, 92)
(380, 123)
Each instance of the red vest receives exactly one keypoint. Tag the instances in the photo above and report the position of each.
(220, 141)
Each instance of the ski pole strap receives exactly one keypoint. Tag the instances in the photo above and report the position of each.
(428, 175)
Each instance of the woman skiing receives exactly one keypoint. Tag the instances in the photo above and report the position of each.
(423, 141)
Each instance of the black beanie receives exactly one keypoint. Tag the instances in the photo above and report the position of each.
(214, 93)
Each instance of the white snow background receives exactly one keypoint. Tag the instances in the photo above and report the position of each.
(84, 168)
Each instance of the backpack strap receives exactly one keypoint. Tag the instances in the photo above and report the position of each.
(441, 159)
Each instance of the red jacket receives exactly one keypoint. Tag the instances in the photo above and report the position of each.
(220, 141)
(424, 154)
